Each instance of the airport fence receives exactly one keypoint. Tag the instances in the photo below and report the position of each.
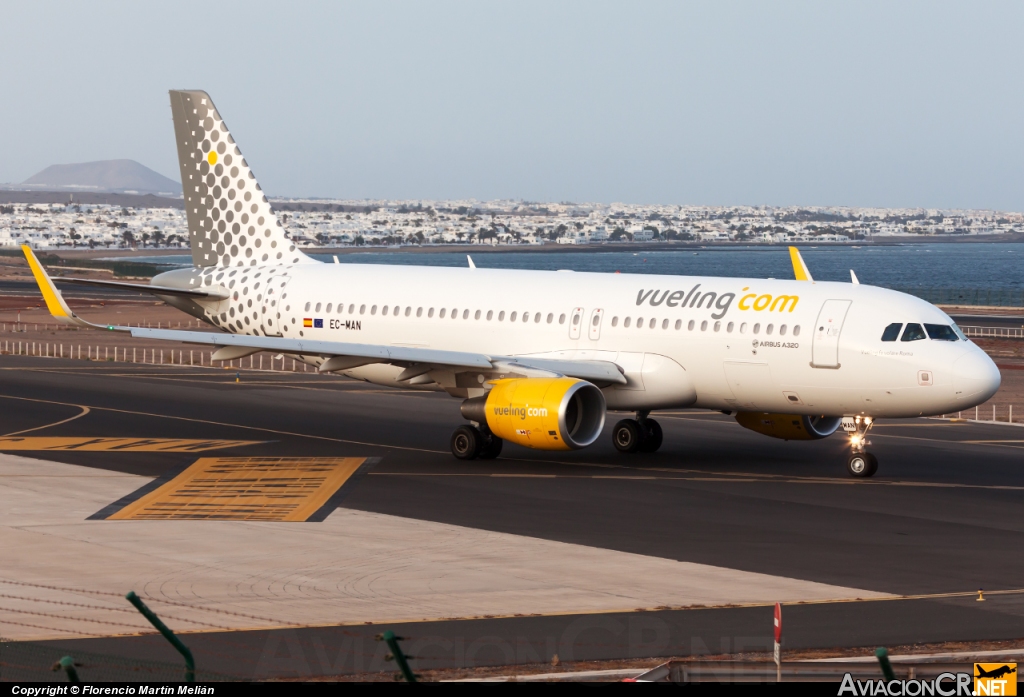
(994, 332)
(151, 356)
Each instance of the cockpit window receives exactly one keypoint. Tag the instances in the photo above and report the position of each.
(892, 332)
(959, 333)
(941, 332)
(913, 332)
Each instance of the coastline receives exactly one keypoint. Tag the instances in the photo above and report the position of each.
(610, 247)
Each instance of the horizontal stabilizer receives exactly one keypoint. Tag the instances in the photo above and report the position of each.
(54, 300)
(147, 288)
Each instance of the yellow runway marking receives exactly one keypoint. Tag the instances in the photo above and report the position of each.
(286, 489)
(149, 445)
(85, 410)
(221, 423)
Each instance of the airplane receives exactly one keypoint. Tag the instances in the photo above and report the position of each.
(539, 357)
(995, 672)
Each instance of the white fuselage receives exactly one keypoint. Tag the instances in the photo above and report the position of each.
(683, 341)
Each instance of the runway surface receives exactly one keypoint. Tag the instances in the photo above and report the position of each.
(588, 554)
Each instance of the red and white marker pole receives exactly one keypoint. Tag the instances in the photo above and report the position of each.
(778, 642)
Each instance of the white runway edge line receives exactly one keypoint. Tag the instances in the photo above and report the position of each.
(354, 567)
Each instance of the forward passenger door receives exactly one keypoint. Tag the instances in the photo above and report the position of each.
(825, 344)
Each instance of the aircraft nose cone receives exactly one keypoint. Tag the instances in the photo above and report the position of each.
(975, 377)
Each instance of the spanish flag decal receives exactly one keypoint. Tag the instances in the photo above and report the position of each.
(307, 322)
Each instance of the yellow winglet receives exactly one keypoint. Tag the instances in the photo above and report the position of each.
(54, 301)
(800, 270)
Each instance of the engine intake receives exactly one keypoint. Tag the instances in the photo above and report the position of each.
(542, 413)
(789, 426)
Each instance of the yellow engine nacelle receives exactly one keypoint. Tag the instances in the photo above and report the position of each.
(789, 426)
(542, 413)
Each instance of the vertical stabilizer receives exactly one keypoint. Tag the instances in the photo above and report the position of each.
(230, 221)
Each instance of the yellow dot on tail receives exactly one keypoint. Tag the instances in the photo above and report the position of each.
(212, 157)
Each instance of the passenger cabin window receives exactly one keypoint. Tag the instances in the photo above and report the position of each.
(913, 332)
(318, 307)
(329, 306)
(561, 319)
(615, 321)
(892, 332)
(941, 332)
(307, 306)
(796, 330)
(625, 322)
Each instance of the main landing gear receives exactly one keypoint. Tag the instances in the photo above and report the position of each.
(861, 463)
(470, 443)
(639, 435)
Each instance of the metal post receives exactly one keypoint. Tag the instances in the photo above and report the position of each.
(882, 654)
(396, 653)
(68, 664)
(190, 665)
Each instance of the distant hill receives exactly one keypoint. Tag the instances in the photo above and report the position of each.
(122, 176)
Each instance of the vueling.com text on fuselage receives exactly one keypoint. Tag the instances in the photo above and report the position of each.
(763, 302)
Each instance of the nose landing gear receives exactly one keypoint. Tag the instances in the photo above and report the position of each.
(639, 435)
(861, 463)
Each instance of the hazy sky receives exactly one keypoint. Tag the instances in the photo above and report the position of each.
(816, 103)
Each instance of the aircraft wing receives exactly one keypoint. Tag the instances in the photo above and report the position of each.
(363, 354)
